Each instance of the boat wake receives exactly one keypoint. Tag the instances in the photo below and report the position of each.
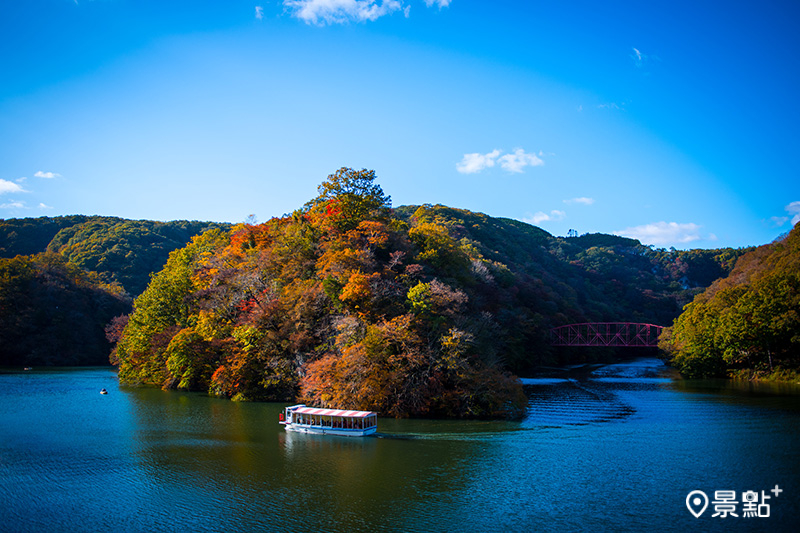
(592, 396)
(573, 403)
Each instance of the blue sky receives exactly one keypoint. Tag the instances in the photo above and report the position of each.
(675, 122)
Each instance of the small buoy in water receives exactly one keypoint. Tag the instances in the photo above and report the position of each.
(103, 391)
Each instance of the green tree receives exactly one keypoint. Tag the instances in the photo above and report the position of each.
(747, 321)
(160, 312)
(54, 313)
(350, 196)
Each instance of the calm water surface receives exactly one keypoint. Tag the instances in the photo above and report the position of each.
(611, 448)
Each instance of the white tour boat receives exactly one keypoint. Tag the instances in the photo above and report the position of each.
(304, 419)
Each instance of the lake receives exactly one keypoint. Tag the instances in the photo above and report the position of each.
(611, 448)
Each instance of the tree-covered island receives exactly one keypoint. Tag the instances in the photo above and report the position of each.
(418, 311)
(339, 304)
(412, 311)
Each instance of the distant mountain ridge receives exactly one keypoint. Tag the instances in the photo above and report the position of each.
(128, 251)
(414, 311)
(629, 281)
(531, 279)
(117, 249)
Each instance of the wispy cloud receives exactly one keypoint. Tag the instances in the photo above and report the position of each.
(10, 187)
(47, 175)
(514, 162)
(517, 161)
(44, 206)
(475, 162)
(541, 216)
(583, 200)
(321, 12)
(13, 205)
(794, 211)
(638, 57)
(259, 12)
(661, 233)
(643, 61)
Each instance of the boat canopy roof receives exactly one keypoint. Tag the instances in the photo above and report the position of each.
(331, 412)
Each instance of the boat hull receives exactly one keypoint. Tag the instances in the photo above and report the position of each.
(315, 430)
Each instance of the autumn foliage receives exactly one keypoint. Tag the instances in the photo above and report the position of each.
(338, 304)
(747, 323)
(417, 311)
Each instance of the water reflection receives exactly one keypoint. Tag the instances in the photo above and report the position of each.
(741, 388)
(604, 447)
(279, 478)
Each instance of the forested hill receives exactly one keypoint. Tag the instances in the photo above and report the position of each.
(118, 250)
(54, 313)
(129, 251)
(746, 324)
(412, 311)
(597, 277)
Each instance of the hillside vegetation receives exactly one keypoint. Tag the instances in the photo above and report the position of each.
(746, 324)
(421, 310)
(52, 312)
(118, 250)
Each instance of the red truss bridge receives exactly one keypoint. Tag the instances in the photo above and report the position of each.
(614, 334)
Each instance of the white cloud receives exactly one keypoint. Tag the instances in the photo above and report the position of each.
(792, 213)
(661, 233)
(639, 58)
(541, 216)
(475, 162)
(794, 210)
(583, 200)
(321, 12)
(259, 12)
(518, 160)
(643, 61)
(13, 205)
(9, 186)
(515, 163)
(44, 206)
(47, 175)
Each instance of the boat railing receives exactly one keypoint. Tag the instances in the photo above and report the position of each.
(329, 418)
